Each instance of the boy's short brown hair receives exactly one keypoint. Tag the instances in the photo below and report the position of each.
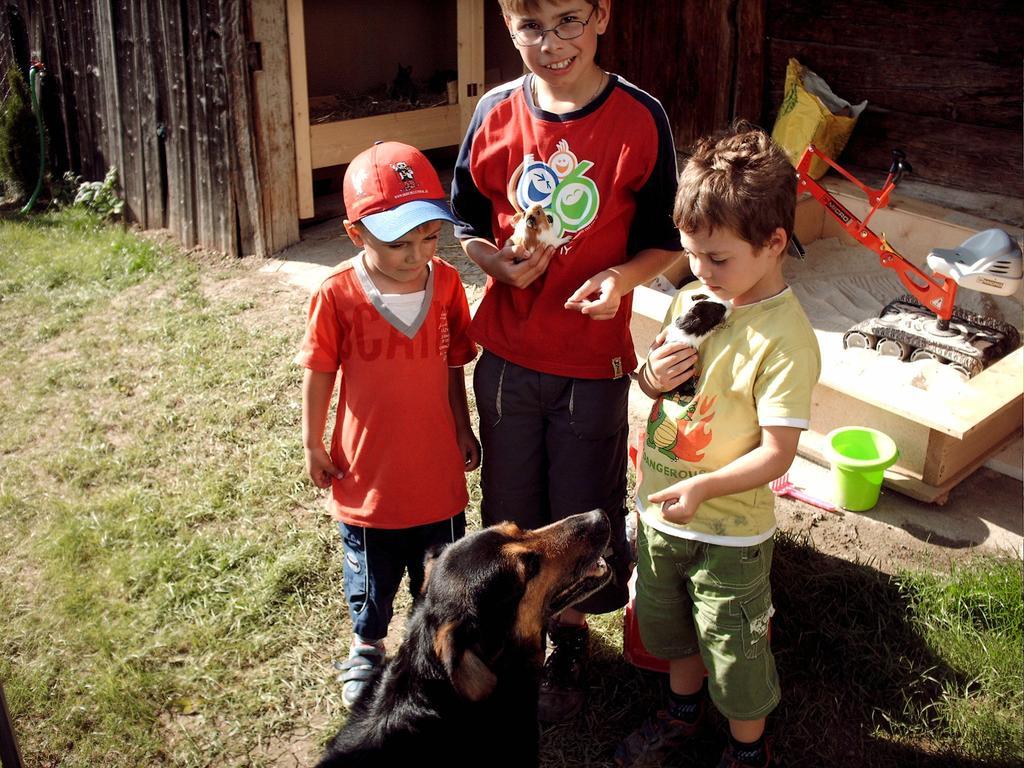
(524, 7)
(741, 180)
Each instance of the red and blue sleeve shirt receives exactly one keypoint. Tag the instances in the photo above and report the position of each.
(606, 175)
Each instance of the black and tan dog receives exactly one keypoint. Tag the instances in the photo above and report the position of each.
(462, 689)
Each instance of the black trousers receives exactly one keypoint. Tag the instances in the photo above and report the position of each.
(553, 447)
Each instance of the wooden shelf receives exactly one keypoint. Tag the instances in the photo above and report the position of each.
(336, 143)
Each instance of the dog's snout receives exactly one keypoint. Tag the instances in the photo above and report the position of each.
(593, 526)
(590, 529)
(598, 519)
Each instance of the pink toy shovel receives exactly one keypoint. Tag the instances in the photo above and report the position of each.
(782, 486)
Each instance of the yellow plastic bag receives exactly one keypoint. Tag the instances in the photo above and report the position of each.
(812, 114)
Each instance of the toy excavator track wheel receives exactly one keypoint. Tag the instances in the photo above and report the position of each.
(961, 369)
(893, 348)
(858, 340)
(906, 330)
(1008, 335)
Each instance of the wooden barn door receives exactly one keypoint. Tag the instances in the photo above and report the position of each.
(703, 60)
(162, 92)
(273, 134)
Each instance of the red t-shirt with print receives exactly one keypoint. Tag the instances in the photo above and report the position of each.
(606, 176)
(394, 433)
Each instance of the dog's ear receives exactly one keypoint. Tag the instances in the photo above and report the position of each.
(433, 552)
(516, 218)
(470, 676)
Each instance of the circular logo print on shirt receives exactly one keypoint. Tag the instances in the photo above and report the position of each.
(537, 185)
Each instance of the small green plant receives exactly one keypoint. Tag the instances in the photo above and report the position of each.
(19, 138)
(64, 190)
(100, 197)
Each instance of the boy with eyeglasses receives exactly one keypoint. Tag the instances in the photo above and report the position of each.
(552, 385)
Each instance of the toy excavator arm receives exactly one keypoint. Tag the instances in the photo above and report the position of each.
(938, 297)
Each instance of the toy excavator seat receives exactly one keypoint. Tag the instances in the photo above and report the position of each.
(989, 261)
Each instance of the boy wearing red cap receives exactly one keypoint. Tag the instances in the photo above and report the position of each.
(394, 320)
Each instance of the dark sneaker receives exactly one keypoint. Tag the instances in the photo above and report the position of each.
(561, 688)
(729, 759)
(657, 737)
(357, 671)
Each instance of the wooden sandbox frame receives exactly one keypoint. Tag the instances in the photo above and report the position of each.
(939, 448)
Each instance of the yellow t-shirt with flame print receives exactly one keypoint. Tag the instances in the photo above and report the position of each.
(756, 370)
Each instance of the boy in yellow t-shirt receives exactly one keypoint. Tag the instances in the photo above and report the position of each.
(705, 542)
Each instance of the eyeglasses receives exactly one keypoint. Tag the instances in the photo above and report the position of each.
(532, 34)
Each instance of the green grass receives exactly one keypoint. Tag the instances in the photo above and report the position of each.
(170, 588)
(874, 666)
(976, 618)
(169, 591)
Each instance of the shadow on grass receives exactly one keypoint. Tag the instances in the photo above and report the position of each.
(850, 660)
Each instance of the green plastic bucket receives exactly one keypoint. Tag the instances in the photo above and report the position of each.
(859, 457)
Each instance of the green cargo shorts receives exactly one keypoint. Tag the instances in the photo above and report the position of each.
(693, 597)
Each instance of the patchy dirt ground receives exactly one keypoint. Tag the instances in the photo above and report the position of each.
(983, 515)
(904, 534)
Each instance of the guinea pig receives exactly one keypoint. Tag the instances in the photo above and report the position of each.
(704, 315)
(533, 228)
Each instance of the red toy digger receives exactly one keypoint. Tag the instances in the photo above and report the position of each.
(926, 323)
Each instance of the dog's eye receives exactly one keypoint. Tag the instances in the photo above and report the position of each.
(531, 564)
(531, 221)
(550, 220)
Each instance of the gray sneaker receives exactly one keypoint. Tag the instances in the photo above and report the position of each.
(357, 670)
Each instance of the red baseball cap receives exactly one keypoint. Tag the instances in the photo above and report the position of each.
(392, 188)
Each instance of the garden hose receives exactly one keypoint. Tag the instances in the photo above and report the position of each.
(33, 80)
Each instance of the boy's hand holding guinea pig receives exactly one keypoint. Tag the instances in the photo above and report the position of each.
(526, 254)
(519, 267)
(668, 364)
(513, 264)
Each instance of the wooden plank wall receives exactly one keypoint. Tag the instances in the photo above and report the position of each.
(703, 59)
(162, 91)
(943, 80)
(274, 131)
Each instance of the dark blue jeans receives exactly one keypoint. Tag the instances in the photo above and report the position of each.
(375, 561)
(553, 447)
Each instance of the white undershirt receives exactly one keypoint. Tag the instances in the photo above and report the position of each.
(405, 306)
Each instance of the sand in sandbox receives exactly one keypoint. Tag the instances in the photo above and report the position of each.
(840, 284)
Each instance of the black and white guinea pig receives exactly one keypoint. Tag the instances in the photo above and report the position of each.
(700, 320)
(533, 228)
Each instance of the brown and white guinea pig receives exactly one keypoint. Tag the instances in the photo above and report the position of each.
(533, 228)
(696, 324)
